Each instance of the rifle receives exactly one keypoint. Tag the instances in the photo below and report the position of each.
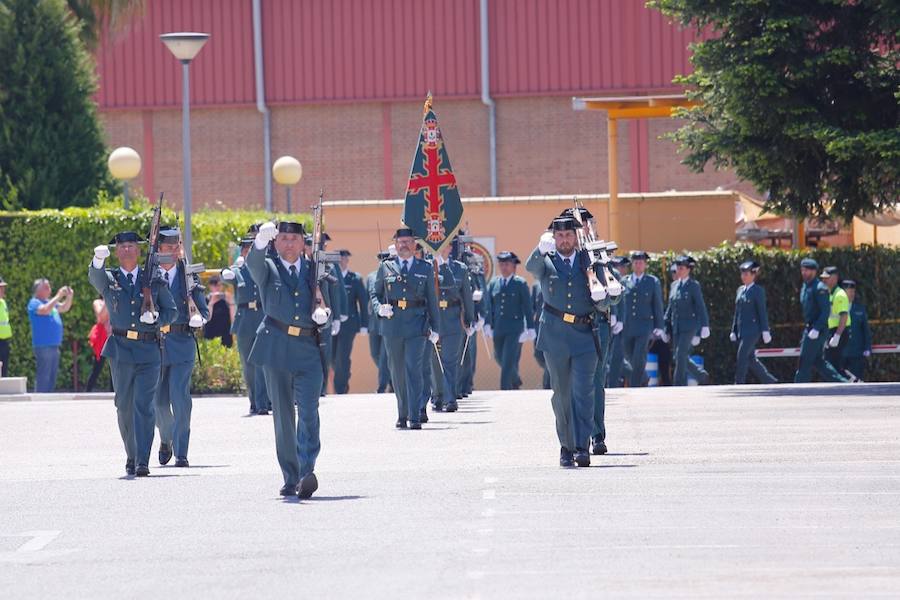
(598, 250)
(151, 265)
(319, 268)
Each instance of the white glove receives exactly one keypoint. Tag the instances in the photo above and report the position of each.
(364, 330)
(477, 295)
(433, 337)
(227, 274)
(658, 333)
(470, 331)
(695, 341)
(617, 328)
(546, 244)
(598, 293)
(239, 262)
(733, 337)
(867, 353)
(528, 334)
(704, 332)
(479, 324)
(488, 332)
(813, 334)
(149, 317)
(834, 341)
(196, 321)
(664, 337)
(267, 233)
(392, 250)
(335, 327)
(320, 315)
(101, 252)
(345, 318)
(386, 311)
(767, 337)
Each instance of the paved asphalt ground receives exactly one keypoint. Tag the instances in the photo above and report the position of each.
(708, 492)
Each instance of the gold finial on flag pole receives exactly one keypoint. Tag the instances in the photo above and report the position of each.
(428, 102)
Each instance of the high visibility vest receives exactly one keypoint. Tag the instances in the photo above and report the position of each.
(5, 329)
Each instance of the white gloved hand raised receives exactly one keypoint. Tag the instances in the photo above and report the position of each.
(149, 317)
(386, 311)
(546, 243)
(617, 328)
(834, 341)
(227, 274)
(320, 315)
(813, 334)
(488, 332)
(267, 233)
(101, 252)
(477, 295)
(433, 337)
(392, 250)
(196, 321)
(732, 336)
(598, 293)
(767, 337)
(335, 327)
(704, 332)
(695, 341)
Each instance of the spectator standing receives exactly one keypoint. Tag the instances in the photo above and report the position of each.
(5, 331)
(47, 331)
(97, 339)
(859, 346)
(220, 313)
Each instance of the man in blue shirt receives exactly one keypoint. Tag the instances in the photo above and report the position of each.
(47, 331)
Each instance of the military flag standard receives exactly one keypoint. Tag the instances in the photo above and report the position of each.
(433, 209)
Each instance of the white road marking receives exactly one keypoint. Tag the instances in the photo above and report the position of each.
(33, 550)
(38, 541)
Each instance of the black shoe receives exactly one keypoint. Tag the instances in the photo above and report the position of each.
(400, 424)
(423, 416)
(565, 457)
(414, 425)
(582, 458)
(142, 471)
(129, 467)
(379, 390)
(288, 490)
(437, 405)
(308, 485)
(165, 453)
(451, 407)
(598, 446)
(181, 462)
(459, 397)
(262, 411)
(252, 412)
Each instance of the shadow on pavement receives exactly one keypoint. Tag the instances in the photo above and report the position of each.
(626, 454)
(596, 466)
(838, 389)
(192, 467)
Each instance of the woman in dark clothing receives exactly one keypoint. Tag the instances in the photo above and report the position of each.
(220, 306)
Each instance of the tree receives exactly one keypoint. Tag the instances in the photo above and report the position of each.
(52, 152)
(97, 16)
(800, 97)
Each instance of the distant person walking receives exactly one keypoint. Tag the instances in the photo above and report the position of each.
(47, 331)
(97, 339)
(5, 331)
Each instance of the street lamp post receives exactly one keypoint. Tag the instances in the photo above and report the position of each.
(185, 46)
(124, 164)
(287, 171)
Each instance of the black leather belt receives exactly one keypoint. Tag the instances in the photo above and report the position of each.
(405, 304)
(291, 330)
(131, 334)
(176, 329)
(253, 305)
(569, 317)
(448, 303)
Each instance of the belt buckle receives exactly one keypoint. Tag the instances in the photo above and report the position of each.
(252, 305)
(568, 317)
(131, 334)
(294, 331)
(401, 304)
(163, 329)
(443, 304)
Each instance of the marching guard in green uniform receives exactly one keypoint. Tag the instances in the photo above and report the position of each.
(618, 367)
(643, 316)
(537, 307)
(510, 321)
(687, 315)
(475, 266)
(340, 310)
(247, 318)
(567, 335)
(377, 349)
(859, 347)
(750, 324)
(179, 352)
(133, 347)
(357, 322)
(815, 300)
(287, 347)
(405, 301)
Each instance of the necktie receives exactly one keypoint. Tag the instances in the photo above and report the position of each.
(405, 269)
(167, 277)
(130, 279)
(568, 263)
(294, 274)
(503, 284)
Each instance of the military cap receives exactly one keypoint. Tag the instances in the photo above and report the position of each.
(307, 239)
(828, 272)
(404, 232)
(345, 253)
(619, 261)
(290, 227)
(168, 235)
(564, 224)
(246, 242)
(750, 265)
(685, 261)
(508, 257)
(383, 256)
(809, 263)
(325, 237)
(639, 255)
(847, 284)
(124, 237)
(253, 228)
(570, 212)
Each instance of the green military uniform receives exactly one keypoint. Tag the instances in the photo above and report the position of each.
(377, 348)
(287, 348)
(537, 306)
(357, 321)
(686, 314)
(750, 323)
(509, 318)
(859, 346)
(470, 359)
(457, 312)
(642, 314)
(815, 300)
(133, 351)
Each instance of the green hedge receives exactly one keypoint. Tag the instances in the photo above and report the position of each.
(876, 270)
(59, 245)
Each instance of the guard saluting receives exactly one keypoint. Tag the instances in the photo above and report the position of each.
(287, 348)
(510, 320)
(133, 347)
(751, 322)
(179, 350)
(404, 299)
(567, 338)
